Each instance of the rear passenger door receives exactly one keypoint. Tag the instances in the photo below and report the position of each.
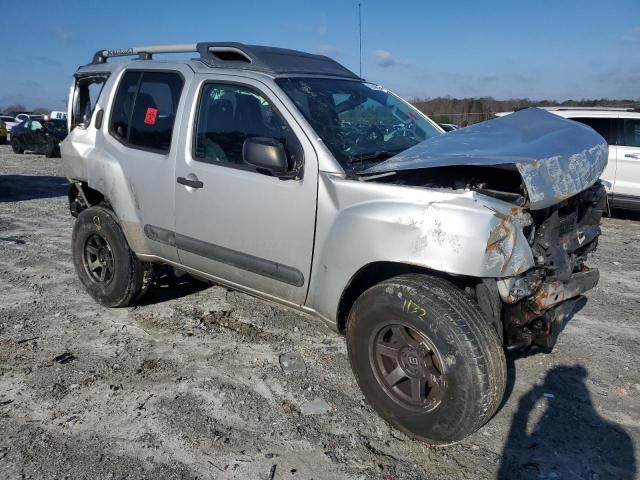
(240, 224)
(38, 136)
(628, 172)
(141, 134)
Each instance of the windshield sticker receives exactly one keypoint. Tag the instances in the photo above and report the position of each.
(411, 114)
(151, 116)
(373, 86)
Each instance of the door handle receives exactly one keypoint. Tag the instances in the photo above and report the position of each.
(633, 155)
(190, 183)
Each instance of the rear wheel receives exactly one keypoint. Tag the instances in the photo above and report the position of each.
(3, 140)
(105, 264)
(51, 150)
(16, 147)
(425, 358)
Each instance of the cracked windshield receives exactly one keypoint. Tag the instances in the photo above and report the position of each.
(361, 124)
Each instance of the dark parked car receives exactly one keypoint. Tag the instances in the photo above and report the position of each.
(42, 136)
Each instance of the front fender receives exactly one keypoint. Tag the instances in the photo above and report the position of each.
(456, 232)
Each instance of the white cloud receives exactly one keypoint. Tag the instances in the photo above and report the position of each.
(61, 34)
(329, 50)
(383, 58)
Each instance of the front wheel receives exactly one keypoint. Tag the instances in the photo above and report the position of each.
(105, 264)
(425, 358)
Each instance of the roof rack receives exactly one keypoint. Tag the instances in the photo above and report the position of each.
(145, 53)
(238, 55)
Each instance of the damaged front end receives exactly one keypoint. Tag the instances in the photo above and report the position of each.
(535, 304)
(548, 169)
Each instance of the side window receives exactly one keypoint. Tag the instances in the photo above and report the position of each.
(604, 126)
(228, 115)
(35, 125)
(122, 106)
(631, 132)
(88, 91)
(144, 109)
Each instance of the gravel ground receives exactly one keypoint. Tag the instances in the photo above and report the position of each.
(189, 384)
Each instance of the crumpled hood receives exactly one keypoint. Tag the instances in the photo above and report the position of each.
(557, 158)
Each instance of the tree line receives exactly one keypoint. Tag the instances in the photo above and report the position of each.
(18, 107)
(465, 111)
(459, 111)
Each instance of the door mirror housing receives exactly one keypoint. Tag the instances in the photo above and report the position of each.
(267, 155)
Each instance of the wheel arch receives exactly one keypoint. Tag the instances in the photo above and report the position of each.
(81, 196)
(376, 272)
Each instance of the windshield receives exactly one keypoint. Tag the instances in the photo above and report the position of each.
(360, 123)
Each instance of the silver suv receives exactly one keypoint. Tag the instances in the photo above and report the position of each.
(285, 175)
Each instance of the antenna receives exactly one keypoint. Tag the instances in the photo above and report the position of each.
(360, 33)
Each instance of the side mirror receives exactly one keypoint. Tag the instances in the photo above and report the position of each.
(267, 154)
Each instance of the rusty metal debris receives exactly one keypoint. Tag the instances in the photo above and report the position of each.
(556, 292)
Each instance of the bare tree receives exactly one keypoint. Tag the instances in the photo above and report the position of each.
(17, 107)
(465, 111)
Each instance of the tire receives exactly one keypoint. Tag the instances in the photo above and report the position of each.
(106, 266)
(15, 146)
(447, 343)
(3, 140)
(51, 150)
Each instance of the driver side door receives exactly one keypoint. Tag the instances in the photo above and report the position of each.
(26, 132)
(233, 221)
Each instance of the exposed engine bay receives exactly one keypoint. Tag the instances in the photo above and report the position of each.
(499, 181)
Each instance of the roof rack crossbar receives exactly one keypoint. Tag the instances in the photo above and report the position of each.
(102, 55)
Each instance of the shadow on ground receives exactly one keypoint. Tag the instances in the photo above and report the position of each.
(167, 286)
(557, 433)
(15, 188)
(578, 304)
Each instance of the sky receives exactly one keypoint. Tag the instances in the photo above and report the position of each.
(561, 49)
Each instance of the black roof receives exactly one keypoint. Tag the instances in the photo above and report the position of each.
(270, 59)
(238, 55)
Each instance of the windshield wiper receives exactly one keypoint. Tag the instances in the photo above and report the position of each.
(377, 156)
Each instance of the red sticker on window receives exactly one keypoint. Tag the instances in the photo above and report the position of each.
(151, 116)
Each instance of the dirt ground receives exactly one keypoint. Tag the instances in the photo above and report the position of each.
(189, 384)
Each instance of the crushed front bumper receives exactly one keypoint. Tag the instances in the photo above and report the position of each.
(535, 303)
